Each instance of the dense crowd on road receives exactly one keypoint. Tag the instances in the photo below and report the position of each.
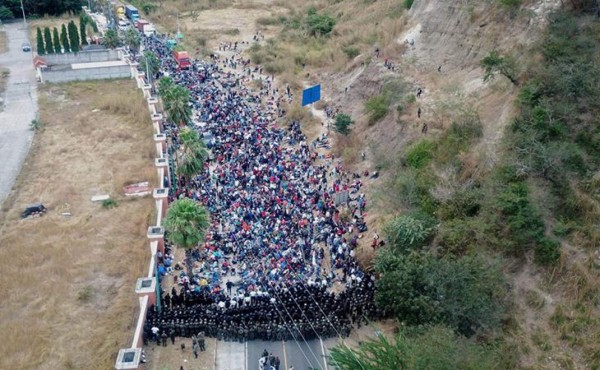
(278, 259)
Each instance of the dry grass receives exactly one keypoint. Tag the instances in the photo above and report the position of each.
(4, 75)
(67, 282)
(3, 42)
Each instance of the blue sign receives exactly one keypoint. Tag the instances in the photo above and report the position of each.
(311, 95)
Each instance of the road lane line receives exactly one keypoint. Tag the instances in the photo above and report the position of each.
(324, 355)
(245, 355)
(284, 355)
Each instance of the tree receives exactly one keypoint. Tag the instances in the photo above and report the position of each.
(64, 39)
(56, 41)
(73, 37)
(148, 8)
(186, 223)
(132, 40)
(176, 103)
(432, 347)
(192, 153)
(41, 50)
(164, 85)
(111, 39)
(495, 63)
(82, 32)
(5, 13)
(342, 123)
(465, 293)
(48, 40)
(150, 62)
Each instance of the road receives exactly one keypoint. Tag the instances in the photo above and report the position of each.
(20, 108)
(245, 356)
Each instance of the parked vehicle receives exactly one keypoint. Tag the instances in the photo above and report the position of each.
(25, 46)
(132, 13)
(182, 59)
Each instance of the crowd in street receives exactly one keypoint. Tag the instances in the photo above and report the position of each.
(278, 261)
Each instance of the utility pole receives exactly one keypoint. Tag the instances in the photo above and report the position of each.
(23, 10)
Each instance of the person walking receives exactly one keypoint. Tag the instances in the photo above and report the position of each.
(195, 349)
(164, 339)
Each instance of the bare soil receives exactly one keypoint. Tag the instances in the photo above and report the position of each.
(68, 276)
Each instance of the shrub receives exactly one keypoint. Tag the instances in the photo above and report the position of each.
(351, 52)
(109, 203)
(408, 232)
(420, 154)
(319, 24)
(408, 3)
(465, 293)
(376, 108)
(342, 123)
(522, 223)
(547, 251)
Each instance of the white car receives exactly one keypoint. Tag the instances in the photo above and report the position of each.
(123, 23)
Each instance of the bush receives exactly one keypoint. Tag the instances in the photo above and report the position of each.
(465, 293)
(319, 24)
(420, 154)
(458, 236)
(409, 232)
(376, 108)
(408, 3)
(5, 13)
(109, 203)
(351, 52)
(521, 223)
(547, 251)
(429, 347)
(342, 123)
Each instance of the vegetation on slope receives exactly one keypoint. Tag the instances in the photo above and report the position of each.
(541, 196)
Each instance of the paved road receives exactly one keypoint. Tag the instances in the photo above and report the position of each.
(20, 107)
(245, 356)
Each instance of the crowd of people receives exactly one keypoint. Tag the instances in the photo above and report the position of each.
(278, 259)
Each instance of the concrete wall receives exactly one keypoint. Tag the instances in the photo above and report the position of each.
(82, 57)
(161, 202)
(86, 74)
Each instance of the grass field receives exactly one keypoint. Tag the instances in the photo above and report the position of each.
(68, 281)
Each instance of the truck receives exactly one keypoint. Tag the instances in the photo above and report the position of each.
(145, 27)
(120, 11)
(182, 59)
(132, 13)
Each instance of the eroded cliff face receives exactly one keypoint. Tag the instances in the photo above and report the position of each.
(439, 50)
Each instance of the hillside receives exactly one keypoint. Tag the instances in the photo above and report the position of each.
(487, 194)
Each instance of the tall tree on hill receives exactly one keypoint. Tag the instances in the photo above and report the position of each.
(48, 40)
(41, 50)
(64, 39)
(73, 37)
(56, 41)
(82, 25)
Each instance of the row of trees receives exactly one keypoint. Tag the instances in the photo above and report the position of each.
(186, 221)
(12, 8)
(69, 40)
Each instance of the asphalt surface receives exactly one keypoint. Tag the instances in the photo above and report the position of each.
(20, 108)
(245, 356)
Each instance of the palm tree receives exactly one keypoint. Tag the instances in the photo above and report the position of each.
(176, 103)
(193, 153)
(132, 40)
(186, 223)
